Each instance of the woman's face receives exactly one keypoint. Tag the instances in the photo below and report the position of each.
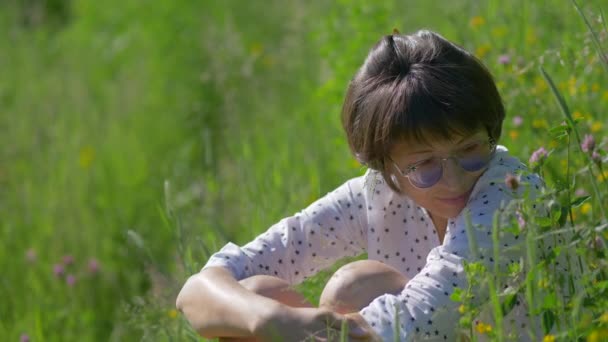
(446, 198)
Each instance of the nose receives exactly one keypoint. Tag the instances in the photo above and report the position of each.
(453, 174)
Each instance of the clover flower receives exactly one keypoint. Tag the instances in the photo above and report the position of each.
(596, 158)
(598, 244)
(58, 270)
(68, 260)
(521, 222)
(512, 181)
(93, 265)
(538, 155)
(70, 280)
(588, 144)
(517, 121)
(504, 59)
(30, 255)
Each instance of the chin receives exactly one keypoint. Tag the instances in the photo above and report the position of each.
(451, 212)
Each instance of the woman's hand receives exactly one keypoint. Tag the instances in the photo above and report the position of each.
(299, 324)
(315, 324)
(359, 330)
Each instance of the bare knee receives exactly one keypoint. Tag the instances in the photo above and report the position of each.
(274, 288)
(263, 284)
(356, 284)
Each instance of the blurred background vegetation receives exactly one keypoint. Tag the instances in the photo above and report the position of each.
(137, 137)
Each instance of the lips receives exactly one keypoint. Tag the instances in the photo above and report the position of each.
(460, 200)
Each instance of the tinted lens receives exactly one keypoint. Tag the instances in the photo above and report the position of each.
(426, 176)
(474, 163)
(475, 157)
(472, 158)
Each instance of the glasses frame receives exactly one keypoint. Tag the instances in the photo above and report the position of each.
(441, 161)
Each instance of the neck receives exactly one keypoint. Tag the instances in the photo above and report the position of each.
(440, 226)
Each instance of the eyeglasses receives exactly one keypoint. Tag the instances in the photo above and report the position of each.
(472, 158)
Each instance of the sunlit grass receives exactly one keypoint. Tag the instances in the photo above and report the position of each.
(139, 138)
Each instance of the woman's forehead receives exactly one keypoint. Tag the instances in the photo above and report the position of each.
(433, 143)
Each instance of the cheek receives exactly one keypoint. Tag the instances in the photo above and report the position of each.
(474, 177)
(420, 196)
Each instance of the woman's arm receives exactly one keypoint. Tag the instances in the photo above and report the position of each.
(301, 245)
(216, 305)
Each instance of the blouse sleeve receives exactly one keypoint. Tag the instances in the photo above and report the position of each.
(424, 309)
(305, 243)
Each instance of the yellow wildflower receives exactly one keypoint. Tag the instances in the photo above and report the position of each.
(513, 134)
(86, 156)
(577, 115)
(531, 37)
(499, 32)
(462, 309)
(549, 338)
(500, 85)
(586, 208)
(539, 85)
(543, 283)
(256, 49)
(572, 86)
(602, 176)
(477, 21)
(604, 317)
(482, 50)
(483, 328)
(593, 337)
(598, 335)
(539, 123)
(596, 126)
(172, 313)
(268, 61)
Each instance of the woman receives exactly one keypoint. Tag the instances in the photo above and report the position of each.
(425, 116)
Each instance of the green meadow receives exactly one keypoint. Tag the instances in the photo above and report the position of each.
(138, 137)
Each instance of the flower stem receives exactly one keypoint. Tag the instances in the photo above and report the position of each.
(564, 108)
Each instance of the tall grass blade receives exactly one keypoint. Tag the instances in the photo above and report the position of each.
(594, 37)
(494, 283)
(530, 279)
(564, 108)
(603, 20)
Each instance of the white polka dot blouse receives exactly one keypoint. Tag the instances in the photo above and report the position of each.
(359, 218)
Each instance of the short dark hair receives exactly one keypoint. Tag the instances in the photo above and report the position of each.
(417, 86)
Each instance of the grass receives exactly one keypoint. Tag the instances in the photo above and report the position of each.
(144, 136)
